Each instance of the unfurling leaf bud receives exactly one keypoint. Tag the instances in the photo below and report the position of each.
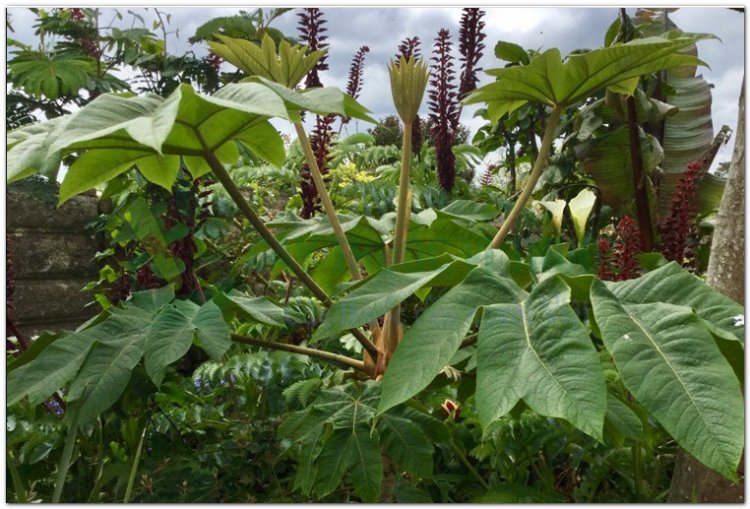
(408, 82)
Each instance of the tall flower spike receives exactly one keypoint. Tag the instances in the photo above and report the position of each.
(356, 70)
(627, 246)
(409, 48)
(680, 230)
(444, 109)
(312, 32)
(320, 141)
(470, 46)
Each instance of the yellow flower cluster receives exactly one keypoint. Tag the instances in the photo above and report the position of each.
(348, 174)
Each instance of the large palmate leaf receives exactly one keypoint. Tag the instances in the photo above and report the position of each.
(668, 360)
(98, 361)
(288, 67)
(55, 366)
(31, 151)
(538, 351)
(42, 75)
(381, 292)
(607, 159)
(674, 285)
(174, 329)
(427, 347)
(549, 80)
(431, 233)
(338, 437)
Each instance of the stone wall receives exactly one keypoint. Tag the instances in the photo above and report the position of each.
(52, 254)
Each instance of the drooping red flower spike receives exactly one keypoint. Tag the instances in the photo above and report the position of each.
(679, 230)
(470, 46)
(627, 246)
(312, 33)
(320, 141)
(605, 270)
(443, 102)
(411, 47)
(356, 70)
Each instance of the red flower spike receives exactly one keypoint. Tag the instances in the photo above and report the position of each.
(443, 102)
(312, 33)
(627, 246)
(470, 46)
(679, 230)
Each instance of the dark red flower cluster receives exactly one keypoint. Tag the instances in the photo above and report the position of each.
(443, 102)
(215, 60)
(470, 46)
(312, 33)
(627, 246)
(320, 141)
(356, 70)
(487, 176)
(409, 48)
(76, 14)
(451, 409)
(679, 231)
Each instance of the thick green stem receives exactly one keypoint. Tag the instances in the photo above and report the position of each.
(325, 199)
(330, 210)
(302, 350)
(403, 211)
(274, 243)
(539, 165)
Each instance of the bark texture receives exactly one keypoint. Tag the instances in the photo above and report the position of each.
(692, 482)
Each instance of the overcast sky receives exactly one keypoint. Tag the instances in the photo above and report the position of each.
(566, 28)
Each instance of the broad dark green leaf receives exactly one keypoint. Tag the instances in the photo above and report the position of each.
(539, 351)
(381, 293)
(254, 308)
(427, 347)
(671, 364)
(55, 366)
(549, 80)
(406, 445)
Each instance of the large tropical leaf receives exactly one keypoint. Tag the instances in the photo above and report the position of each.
(51, 76)
(383, 291)
(427, 347)
(174, 329)
(668, 360)
(549, 80)
(607, 159)
(688, 133)
(29, 151)
(674, 285)
(538, 351)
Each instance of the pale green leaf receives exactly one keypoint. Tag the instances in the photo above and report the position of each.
(161, 170)
(671, 364)
(538, 351)
(427, 347)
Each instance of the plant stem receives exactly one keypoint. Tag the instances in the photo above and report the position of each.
(639, 179)
(134, 468)
(539, 165)
(636, 449)
(67, 454)
(302, 350)
(16, 478)
(468, 465)
(330, 210)
(403, 212)
(272, 241)
(325, 199)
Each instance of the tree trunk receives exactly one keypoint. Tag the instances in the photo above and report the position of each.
(692, 482)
